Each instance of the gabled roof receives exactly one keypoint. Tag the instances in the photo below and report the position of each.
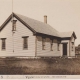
(67, 34)
(37, 26)
(34, 25)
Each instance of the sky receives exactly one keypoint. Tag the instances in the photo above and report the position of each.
(63, 15)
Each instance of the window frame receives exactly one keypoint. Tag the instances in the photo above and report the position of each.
(3, 44)
(72, 46)
(14, 25)
(51, 44)
(43, 43)
(25, 37)
(58, 46)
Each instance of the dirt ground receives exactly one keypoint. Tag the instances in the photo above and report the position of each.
(47, 66)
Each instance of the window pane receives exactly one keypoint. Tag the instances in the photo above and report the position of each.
(3, 43)
(14, 25)
(43, 43)
(25, 45)
(51, 45)
(58, 46)
(72, 46)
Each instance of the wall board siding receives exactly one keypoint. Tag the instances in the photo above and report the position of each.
(47, 51)
(72, 52)
(15, 41)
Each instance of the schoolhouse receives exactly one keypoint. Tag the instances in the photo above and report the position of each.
(21, 36)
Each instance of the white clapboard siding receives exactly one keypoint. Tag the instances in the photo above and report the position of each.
(47, 52)
(72, 52)
(15, 41)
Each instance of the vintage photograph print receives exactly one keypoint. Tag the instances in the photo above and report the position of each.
(39, 37)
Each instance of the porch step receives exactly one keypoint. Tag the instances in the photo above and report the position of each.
(64, 56)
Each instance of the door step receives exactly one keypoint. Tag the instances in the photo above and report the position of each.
(64, 56)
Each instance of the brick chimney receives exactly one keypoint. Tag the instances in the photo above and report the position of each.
(45, 19)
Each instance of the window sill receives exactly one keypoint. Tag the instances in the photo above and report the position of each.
(43, 49)
(25, 48)
(3, 49)
(13, 30)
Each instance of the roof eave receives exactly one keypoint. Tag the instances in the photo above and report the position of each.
(65, 38)
(14, 15)
(24, 23)
(6, 21)
(74, 35)
(42, 34)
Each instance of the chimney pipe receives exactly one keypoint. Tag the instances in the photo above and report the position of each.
(45, 19)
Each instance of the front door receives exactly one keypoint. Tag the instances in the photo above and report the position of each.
(65, 49)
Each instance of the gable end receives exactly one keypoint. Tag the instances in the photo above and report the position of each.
(6, 21)
(10, 17)
(24, 23)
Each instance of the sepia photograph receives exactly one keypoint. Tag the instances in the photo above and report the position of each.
(40, 37)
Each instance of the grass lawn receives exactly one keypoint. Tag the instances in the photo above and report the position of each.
(54, 66)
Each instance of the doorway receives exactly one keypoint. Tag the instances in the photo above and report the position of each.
(64, 49)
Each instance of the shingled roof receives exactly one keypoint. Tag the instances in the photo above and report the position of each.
(37, 26)
(67, 34)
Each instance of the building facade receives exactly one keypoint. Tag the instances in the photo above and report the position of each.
(21, 36)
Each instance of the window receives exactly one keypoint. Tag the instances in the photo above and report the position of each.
(43, 43)
(51, 45)
(25, 42)
(72, 46)
(58, 46)
(14, 25)
(3, 43)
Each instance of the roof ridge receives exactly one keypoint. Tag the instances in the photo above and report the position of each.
(38, 24)
(35, 20)
(67, 31)
(29, 17)
(34, 25)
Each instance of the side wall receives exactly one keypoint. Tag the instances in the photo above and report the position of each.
(72, 51)
(47, 52)
(15, 41)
